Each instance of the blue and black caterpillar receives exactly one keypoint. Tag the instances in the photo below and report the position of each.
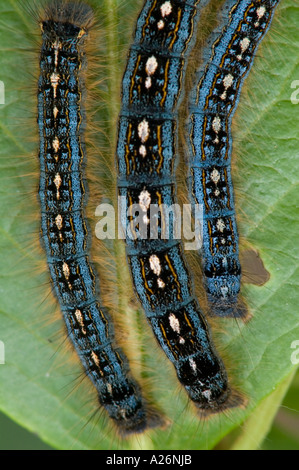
(146, 159)
(65, 235)
(227, 60)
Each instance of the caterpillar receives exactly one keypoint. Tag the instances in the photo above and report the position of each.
(146, 159)
(227, 60)
(65, 234)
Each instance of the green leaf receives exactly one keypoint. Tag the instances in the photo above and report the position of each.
(41, 383)
(284, 432)
(258, 425)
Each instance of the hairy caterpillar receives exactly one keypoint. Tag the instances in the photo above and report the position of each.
(228, 58)
(62, 194)
(146, 162)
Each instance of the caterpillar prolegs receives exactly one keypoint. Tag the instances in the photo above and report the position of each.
(65, 235)
(227, 60)
(146, 159)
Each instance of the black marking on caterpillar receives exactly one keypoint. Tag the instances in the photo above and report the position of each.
(146, 153)
(65, 235)
(227, 61)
